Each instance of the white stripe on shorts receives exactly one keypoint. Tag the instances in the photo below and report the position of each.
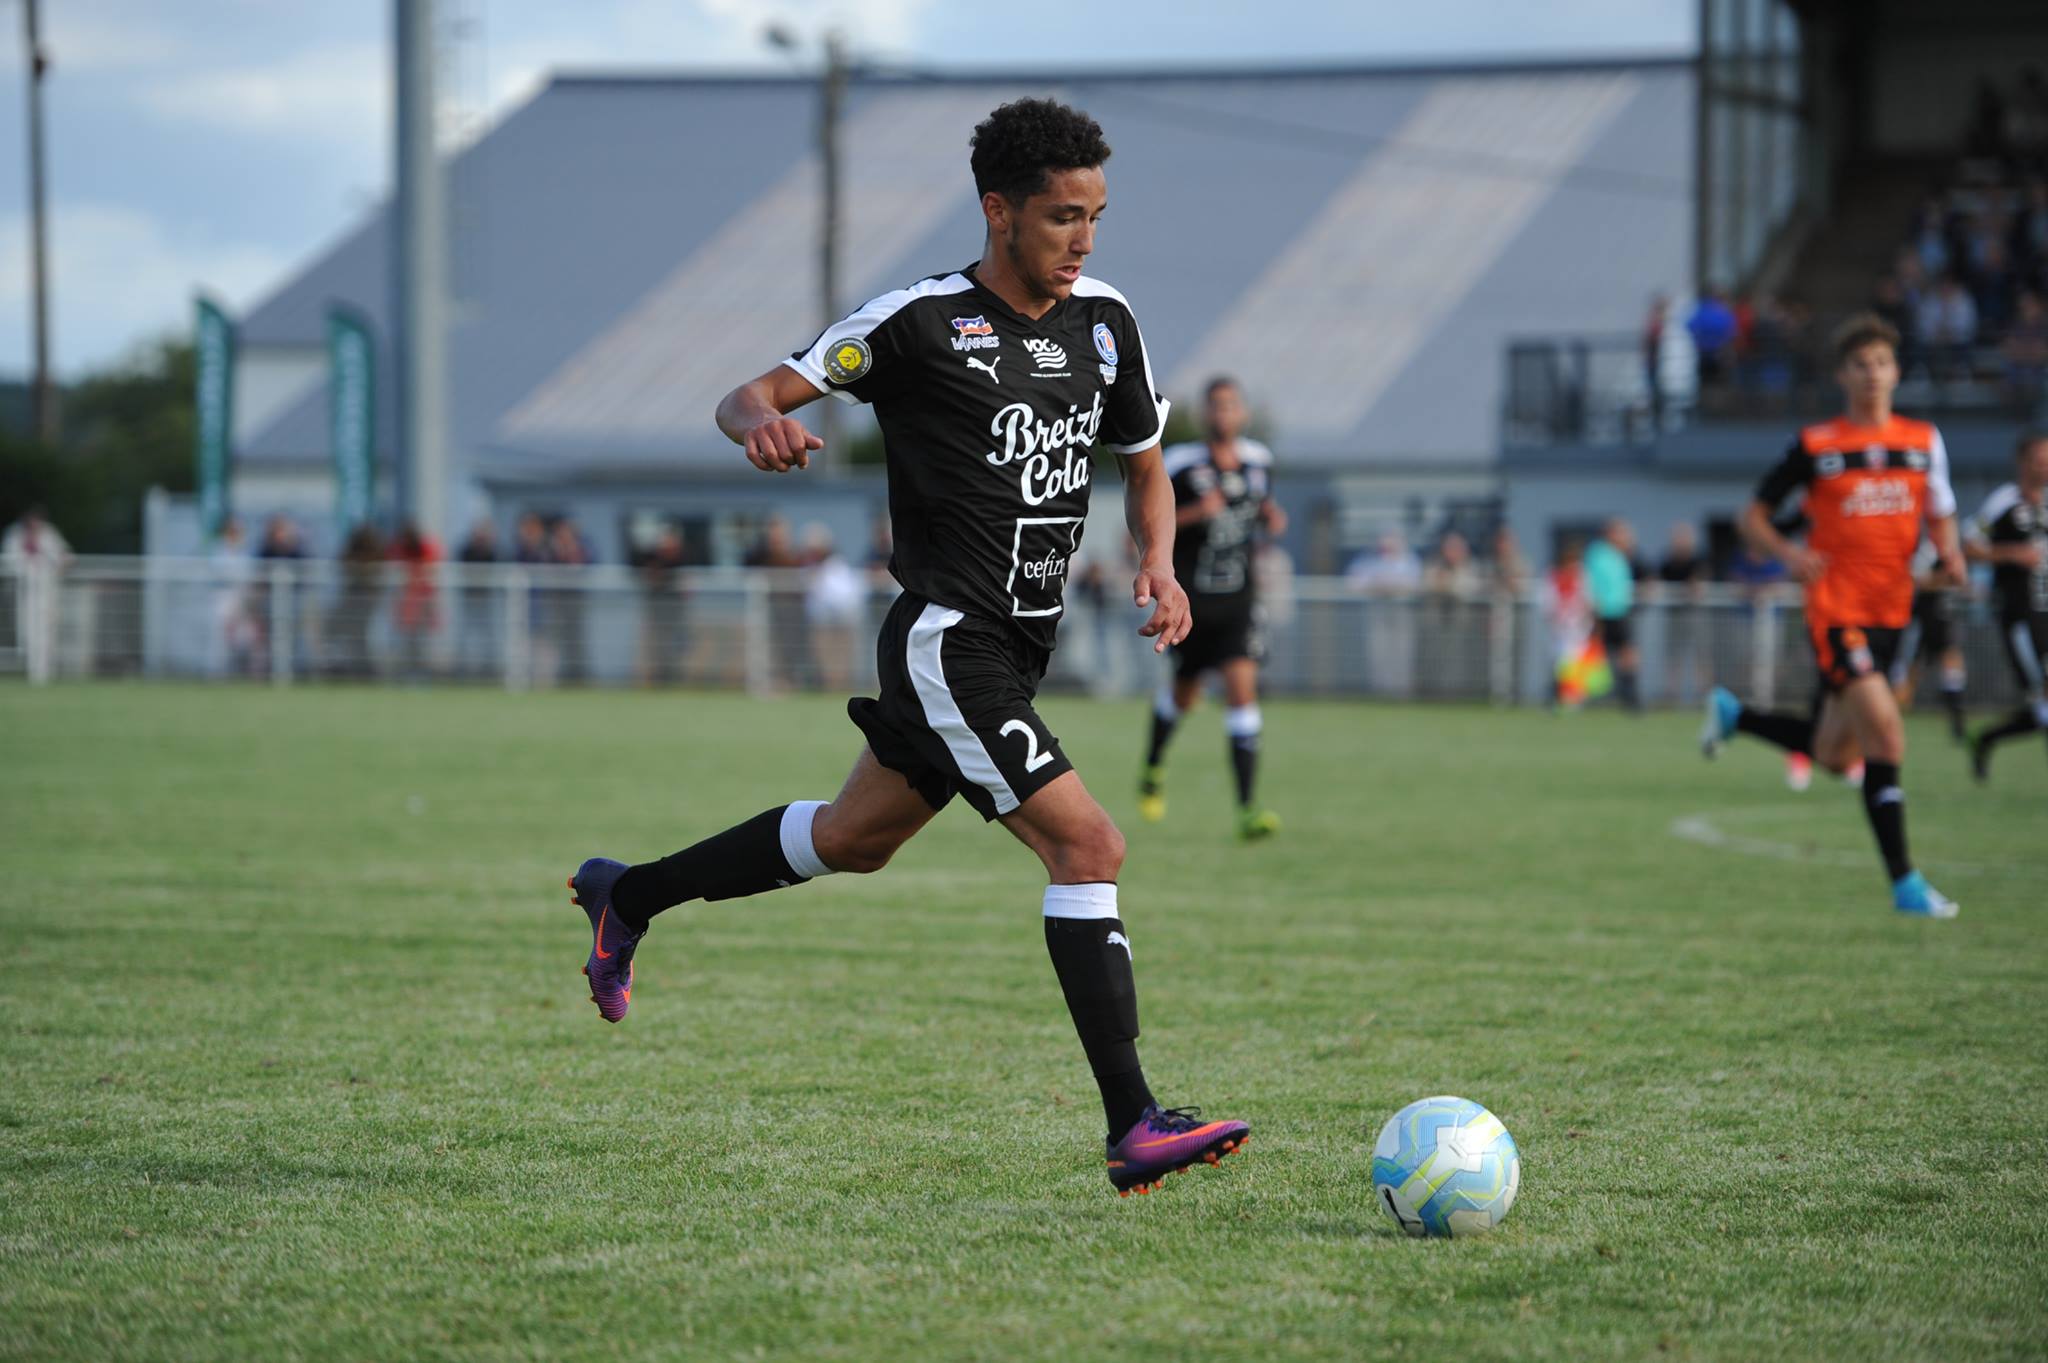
(943, 713)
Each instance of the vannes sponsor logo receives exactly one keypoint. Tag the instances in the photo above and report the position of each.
(1034, 444)
(974, 333)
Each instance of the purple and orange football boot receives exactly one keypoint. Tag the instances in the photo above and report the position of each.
(610, 966)
(1169, 1141)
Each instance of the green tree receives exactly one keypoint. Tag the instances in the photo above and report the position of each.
(126, 430)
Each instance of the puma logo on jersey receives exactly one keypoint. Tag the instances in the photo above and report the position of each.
(1117, 939)
(987, 366)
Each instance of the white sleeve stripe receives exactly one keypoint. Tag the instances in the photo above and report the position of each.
(862, 322)
(2001, 500)
(1088, 287)
(815, 377)
(1941, 496)
(1182, 457)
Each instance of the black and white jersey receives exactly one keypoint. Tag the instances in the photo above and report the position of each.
(2007, 517)
(988, 422)
(1213, 557)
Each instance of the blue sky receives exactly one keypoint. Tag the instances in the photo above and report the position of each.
(220, 143)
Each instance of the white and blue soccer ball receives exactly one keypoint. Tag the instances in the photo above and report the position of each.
(1445, 1166)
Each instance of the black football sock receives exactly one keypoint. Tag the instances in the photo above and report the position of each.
(770, 851)
(1793, 733)
(1952, 701)
(1165, 719)
(1092, 956)
(1885, 803)
(1244, 724)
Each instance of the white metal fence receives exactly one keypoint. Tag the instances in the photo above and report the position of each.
(532, 626)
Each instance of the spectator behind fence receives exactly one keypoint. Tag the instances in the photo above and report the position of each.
(834, 604)
(1509, 570)
(1682, 586)
(1451, 572)
(664, 609)
(1711, 325)
(476, 640)
(2025, 354)
(362, 587)
(418, 616)
(35, 553)
(1451, 647)
(280, 545)
(1391, 570)
(1611, 584)
(789, 645)
(1653, 356)
(234, 621)
(567, 548)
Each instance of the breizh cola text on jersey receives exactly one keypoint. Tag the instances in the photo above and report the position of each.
(990, 421)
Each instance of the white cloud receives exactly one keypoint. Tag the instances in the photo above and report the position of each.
(117, 277)
(338, 93)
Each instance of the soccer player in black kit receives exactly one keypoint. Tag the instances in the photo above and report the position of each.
(2011, 534)
(993, 385)
(1222, 491)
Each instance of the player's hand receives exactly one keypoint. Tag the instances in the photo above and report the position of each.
(2026, 556)
(1951, 571)
(1171, 620)
(1212, 504)
(1805, 566)
(780, 444)
(1275, 518)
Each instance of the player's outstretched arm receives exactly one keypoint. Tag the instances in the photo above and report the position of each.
(1948, 547)
(1148, 511)
(1804, 565)
(755, 416)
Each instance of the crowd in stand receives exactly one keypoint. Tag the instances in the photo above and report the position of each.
(1967, 287)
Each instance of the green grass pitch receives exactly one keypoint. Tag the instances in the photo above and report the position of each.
(297, 1062)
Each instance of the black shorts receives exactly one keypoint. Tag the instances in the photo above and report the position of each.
(1933, 630)
(1226, 628)
(2026, 648)
(1617, 632)
(955, 715)
(1845, 653)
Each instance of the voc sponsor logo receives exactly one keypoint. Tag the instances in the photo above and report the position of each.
(1046, 354)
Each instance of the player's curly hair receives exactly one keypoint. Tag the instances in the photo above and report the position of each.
(1860, 331)
(1019, 147)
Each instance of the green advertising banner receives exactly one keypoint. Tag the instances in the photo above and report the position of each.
(352, 415)
(213, 339)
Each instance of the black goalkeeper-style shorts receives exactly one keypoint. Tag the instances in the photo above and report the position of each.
(955, 714)
(1617, 632)
(1226, 628)
(2026, 648)
(1847, 653)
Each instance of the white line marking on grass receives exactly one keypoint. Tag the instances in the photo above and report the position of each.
(1700, 829)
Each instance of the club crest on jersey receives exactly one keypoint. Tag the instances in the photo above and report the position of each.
(974, 333)
(1829, 465)
(1105, 343)
(848, 360)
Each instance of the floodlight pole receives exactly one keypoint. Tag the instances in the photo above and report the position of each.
(419, 279)
(42, 401)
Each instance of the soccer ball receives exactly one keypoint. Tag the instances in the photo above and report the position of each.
(1445, 1166)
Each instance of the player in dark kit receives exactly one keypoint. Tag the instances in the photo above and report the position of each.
(1222, 492)
(2011, 534)
(992, 385)
(1874, 483)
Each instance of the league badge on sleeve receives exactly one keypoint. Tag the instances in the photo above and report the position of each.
(848, 360)
(1105, 343)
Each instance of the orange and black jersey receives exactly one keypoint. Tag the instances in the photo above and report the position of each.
(1869, 490)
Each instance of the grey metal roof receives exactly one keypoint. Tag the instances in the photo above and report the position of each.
(1355, 244)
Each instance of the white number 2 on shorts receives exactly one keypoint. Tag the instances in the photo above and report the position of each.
(1033, 758)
